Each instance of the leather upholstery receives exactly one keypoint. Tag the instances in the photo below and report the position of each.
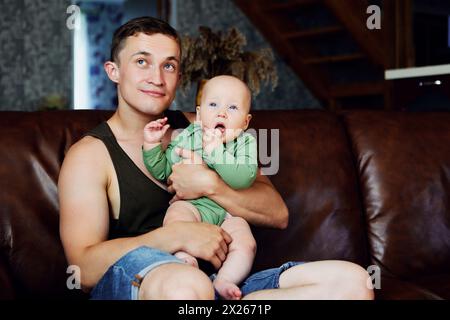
(366, 187)
(318, 182)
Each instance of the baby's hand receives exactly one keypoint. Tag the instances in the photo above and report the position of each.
(212, 138)
(154, 131)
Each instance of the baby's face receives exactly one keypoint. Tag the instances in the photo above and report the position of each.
(225, 105)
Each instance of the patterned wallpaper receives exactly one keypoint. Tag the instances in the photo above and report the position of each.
(35, 52)
(222, 15)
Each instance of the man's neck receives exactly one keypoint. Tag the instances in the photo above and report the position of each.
(129, 123)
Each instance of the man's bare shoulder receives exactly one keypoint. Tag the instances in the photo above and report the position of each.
(88, 147)
(89, 154)
(87, 144)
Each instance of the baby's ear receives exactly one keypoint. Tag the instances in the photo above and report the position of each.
(197, 116)
(247, 120)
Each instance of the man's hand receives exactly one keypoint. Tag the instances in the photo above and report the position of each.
(191, 178)
(205, 241)
(154, 132)
(212, 138)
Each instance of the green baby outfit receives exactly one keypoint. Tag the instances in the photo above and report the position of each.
(235, 162)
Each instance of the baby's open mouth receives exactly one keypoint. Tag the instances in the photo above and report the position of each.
(220, 126)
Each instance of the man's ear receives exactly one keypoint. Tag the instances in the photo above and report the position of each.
(112, 70)
(247, 121)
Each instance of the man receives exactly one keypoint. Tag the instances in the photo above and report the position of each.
(104, 223)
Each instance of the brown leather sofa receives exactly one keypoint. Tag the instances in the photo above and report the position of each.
(367, 187)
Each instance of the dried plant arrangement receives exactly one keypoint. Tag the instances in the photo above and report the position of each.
(218, 53)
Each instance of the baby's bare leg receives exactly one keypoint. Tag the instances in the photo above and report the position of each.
(238, 263)
(183, 211)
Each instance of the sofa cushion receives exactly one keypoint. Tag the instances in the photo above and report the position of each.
(404, 171)
(438, 284)
(396, 289)
(7, 291)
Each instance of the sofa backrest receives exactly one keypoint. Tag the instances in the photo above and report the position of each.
(32, 147)
(318, 181)
(316, 177)
(404, 171)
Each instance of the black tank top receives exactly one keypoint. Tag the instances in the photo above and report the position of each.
(143, 204)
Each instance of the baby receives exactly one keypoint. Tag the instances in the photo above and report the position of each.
(218, 136)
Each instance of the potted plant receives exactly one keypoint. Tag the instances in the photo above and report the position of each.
(221, 53)
(54, 101)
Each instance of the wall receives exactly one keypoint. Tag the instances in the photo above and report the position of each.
(222, 15)
(35, 52)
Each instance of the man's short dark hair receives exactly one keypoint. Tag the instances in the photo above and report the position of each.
(147, 25)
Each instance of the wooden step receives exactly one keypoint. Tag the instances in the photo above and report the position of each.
(333, 59)
(289, 5)
(352, 15)
(357, 89)
(313, 32)
(315, 80)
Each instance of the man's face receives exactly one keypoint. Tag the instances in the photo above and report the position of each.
(148, 72)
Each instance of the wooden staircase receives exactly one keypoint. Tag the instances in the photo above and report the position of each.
(327, 43)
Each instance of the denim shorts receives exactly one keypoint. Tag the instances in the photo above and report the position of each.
(266, 279)
(122, 280)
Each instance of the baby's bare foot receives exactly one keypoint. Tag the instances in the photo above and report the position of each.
(187, 258)
(227, 290)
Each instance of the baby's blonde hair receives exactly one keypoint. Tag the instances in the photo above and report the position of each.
(228, 77)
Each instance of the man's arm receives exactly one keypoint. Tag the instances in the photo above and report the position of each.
(84, 219)
(260, 204)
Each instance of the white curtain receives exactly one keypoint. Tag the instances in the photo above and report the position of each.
(81, 98)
